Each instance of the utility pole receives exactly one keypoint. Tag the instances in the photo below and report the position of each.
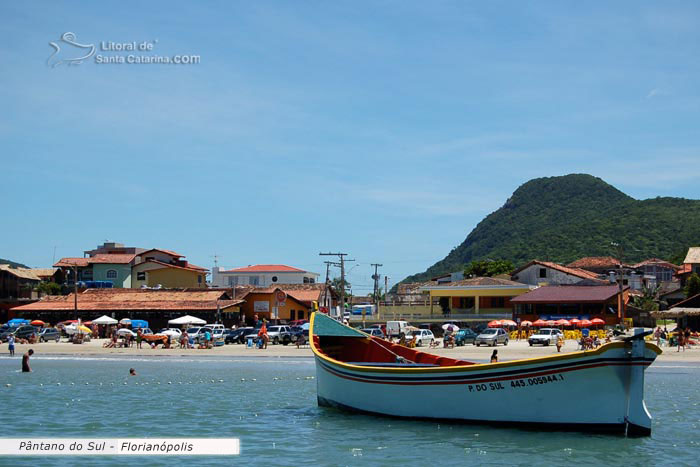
(376, 282)
(75, 289)
(620, 301)
(386, 289)
(342, 276)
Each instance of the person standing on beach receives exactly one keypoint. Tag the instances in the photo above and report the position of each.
(11, 344)
(494, 356)
(139, 338)
(25, 361)
(680, 337)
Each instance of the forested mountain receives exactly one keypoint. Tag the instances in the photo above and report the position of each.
(565, 218)
(12, 263)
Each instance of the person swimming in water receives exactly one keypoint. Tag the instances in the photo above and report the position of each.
(25, 361)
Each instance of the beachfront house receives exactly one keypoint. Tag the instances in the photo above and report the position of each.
(166, 269)
(155, 306)
(547, 273)
(478, 298)
(262, 275)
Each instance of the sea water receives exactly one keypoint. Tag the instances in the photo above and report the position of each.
(270, 404)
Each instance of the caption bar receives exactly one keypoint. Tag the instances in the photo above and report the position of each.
(120, 447)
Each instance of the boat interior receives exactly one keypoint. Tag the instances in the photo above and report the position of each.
(372, 351)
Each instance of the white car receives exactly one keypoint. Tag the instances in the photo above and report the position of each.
(174, 333)
(546, 336)
(423, 336)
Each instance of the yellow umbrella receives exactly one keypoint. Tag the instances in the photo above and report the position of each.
(85, 329)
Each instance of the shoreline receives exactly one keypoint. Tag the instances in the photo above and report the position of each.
(515, 350)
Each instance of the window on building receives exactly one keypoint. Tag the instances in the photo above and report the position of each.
(232, 280)
(625, 282)
(199, 278)
(306, 280)
(111, 274)
(312, 280)
(141, 276)
(301, 314)
(292, 315)
(254, 280)
(498, 302)
(543, 273)
(274, 279)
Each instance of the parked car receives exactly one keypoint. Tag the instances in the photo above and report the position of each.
(49, 334)
(396, 328)
(422, 336)
(276, 333)
(545, 336)
(194, 333)
(299, 333)
(174, 333)
(492, 337)
(465, 336)
(376, 332)
(21, 332)
(237, 336)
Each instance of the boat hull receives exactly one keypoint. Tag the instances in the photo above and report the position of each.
(599, 390)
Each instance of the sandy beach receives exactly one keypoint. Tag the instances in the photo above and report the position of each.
(513, 351)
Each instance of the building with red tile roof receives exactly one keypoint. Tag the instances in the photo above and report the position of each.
(597, 264)
(262, 275)
(547, 273)
(155, 306)
(570, 301)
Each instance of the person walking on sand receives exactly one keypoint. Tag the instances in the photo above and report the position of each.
(11, 344)
(25, 361)
(560, 342)
(494, 356)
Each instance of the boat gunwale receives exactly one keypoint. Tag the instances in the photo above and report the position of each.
(472, 366)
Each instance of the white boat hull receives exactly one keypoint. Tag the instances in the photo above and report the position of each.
(599, 390)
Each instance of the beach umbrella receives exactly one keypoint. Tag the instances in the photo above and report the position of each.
(84, 330)
(551, 322)
(450, 327)
(575, 321)
(495, 324)
(526, 323)
(584, 323)
(38, 322)
(540, 323)
(187, 319)
(104, 319)
(508, 322)
(597, 322)
(563, 322)
(125, 321)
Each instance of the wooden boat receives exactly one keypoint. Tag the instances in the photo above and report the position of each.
(597, 390)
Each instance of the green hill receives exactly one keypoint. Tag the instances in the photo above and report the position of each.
(565, 218)
(12, 263)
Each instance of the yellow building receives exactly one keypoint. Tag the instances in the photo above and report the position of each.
(486, 297)
(167, 269)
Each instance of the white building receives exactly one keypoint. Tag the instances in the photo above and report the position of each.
(547, 273)
(261, 275)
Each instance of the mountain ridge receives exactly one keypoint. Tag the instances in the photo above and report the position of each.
(567, 217)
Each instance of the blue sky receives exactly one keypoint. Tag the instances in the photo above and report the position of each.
(387, 130)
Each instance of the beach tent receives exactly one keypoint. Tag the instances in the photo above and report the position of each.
(104, 319)
(187, 319)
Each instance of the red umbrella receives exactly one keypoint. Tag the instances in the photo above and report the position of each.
(575, 321)
(551, 322)
(584, 323)
(563, 322)
(539, 323)
(37, 322)
(495, 324)
(508, 322)
(597, 321)
(526, 323)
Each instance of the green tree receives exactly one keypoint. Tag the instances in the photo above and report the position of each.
(49, 288)
(692, 287)
(488, 268)
(647, 301)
